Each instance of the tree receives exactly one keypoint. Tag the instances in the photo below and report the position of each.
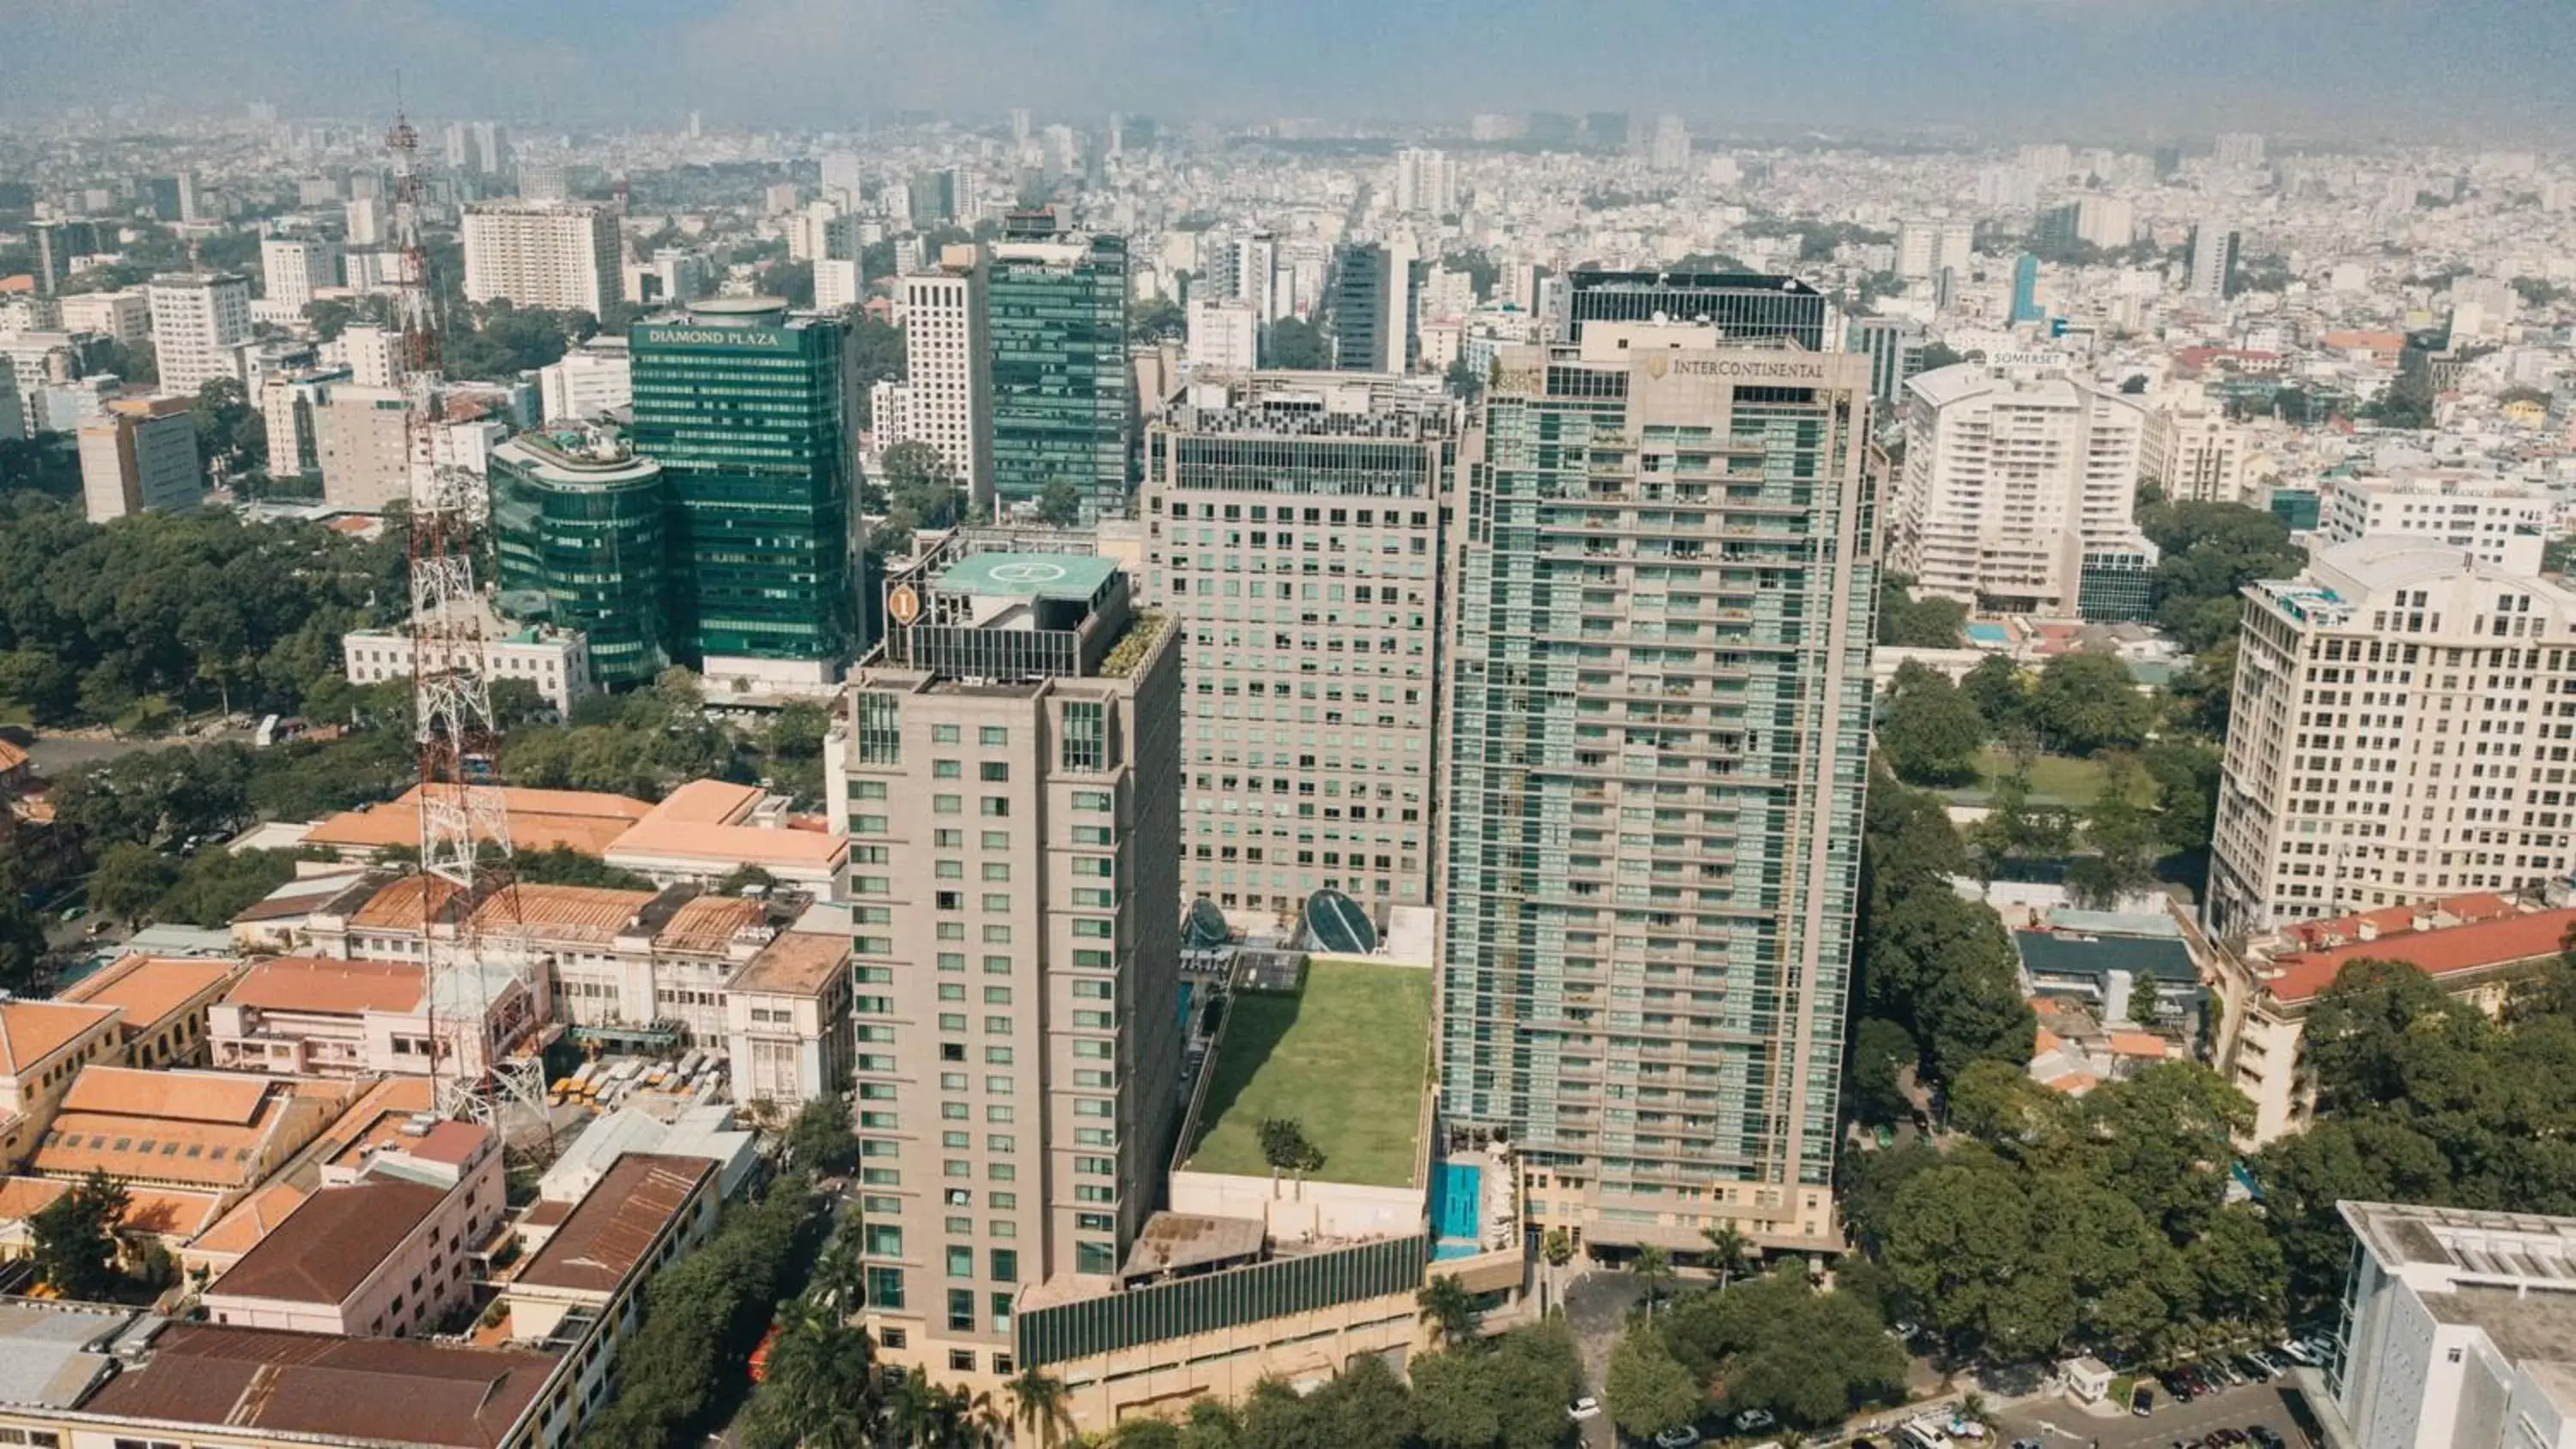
(1648, 1389)
(1449, 1308)
(2144, 999)
(1727, 1247)
(820, 1387)
(1929, 731)
(230, 432)
(1881, 1050)
(1454, 1404)
(1808, 1358)
(2125, 841)
(1285, 1148)
(562, 865)
(2000, 691)
(1060, 504)
(2086, 702)
(1907, 622)
(130, 880)
(1157, 319)
(822, 1138)
(1296, 344)
(1039, 1407)
(217, 884)
(1653, 1268)
(76, 1245)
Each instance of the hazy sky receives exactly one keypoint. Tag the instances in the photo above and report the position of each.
(2440, 69)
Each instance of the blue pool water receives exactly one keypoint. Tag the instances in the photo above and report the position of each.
(1457, 1204)
(1448, 1248)
(1988, 634)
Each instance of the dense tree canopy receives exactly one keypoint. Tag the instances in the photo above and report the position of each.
(1905, 621)
(1928, 730)
(2210, 551)
(1938, 965)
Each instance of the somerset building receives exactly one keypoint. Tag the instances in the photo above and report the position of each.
(1006, 777)
(2399, 731)
(1659, 720)
(1294, 525)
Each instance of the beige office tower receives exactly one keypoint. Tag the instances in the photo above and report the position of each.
(948, 387)
(1007, 769)
(1293, 523)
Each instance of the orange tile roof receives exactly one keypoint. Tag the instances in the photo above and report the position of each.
(79, 1143)
(398, 905)
(329, 987)
(557, 912)
(707, 802)
(252, 1219)
(584, 820)
(730, 844)
(226, 1098)
(11, 757)
(22, 1198)
(2299, 976)
(31, 1031)
(2138, 1044)
(708, 923)
(151, 988)
(152, 1210)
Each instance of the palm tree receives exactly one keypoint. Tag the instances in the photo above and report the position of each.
(1973, 1408)
(985, 1426)
(910, 1410)
(1727, 1248)
(822, 1374)
(1652, 1267)
(1447, 1306)
(1556, 1249)
(1038, 1406)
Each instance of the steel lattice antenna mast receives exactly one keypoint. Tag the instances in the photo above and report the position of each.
(464, 817)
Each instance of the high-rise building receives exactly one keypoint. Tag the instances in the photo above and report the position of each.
(362, 443)
(577, 522)
(1007, 777)
(1371, 295)
(2213, 261)
(1064, 399)
(1738, 304)
(2240, 149)
(2108, 222)
(1254, 275)
(2499, 521)
(948, 362)
(1426, 182)
(289, 401)
(1670, 150)
(198, 318)
(491, 148)
(743, 406)
(1924, 249)
(1659, 711)
(841, 173)
(1894, 346)
(364, 220)
(373, 354)
(1224, 335)
(2011, 471)
(2195, 453)
(2025, 293)
(540, 254)
(140, 455)
(295, 267)
(1308, 762)
(934, 198)
(1607, 130)
(2388, 739)
(125, 315)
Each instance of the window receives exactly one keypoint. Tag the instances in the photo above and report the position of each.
(996, 840)
(885, 1240)
(943, 734)
(1095, 1222)
(1006, 1265)
(893, 1337)
(1091, 1257)
(1086, 736)
(961, 1360)
(961, 1261)
(998, 871)
(880, 730)
(961, 1310)
(997, 965)
(992, 737)
(947, 804)
(994, 772)
(1099, 800)
(996, 807)
(885, 1288)
(947, 770)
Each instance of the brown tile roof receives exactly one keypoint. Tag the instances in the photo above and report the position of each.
(396, 1390)
(453, 1143)
(193, 1152)
(214, 1097)
(180, 1215)
(11, 757)
(252, 1219)
(730, 844)
(798, 963)
(708, 923)
(31, 1031)
(707, 802)
(329, 1248)
(554, 912)
(581, 819)
(398, 905)
(151, 988)
(304, 897)
(616, 1223)
(329, 987)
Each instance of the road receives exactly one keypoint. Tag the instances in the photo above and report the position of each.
(1597, 1304)
(2060, 1425)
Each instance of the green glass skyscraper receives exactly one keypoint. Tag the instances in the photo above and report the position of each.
(744, 408)
(577, 525)
(1659, 705)
(1064, 401)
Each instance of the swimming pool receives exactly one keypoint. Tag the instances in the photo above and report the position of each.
(1988, 634)
(1458, 1202)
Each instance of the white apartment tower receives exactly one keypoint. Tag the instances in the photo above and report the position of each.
(1925, 248)
(1670, 150)
(1007, 774)
(538, 255)
(1426, 182)
(2195, 453)
(295, 267)
(1224, 334)
(1293, 524)
(2400, 731)
(198, 318)
(2011, 473)
(948, 368)
(2499, 522)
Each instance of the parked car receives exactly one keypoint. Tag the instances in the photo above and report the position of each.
(1681, 1438)
(2142, 1402)
(1583, 1408)
(1753, 1421)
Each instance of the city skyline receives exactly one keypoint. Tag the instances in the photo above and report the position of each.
(2417, 69)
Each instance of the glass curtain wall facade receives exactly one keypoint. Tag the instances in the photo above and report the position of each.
(743, 407)
(1064, 401)
(582, 547)
(1659, 708)
(1737, 304)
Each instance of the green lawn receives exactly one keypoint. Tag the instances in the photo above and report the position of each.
(2054, 779)
(1346, 1057)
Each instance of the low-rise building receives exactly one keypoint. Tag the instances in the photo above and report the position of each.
(161, 1004)
(2473, 946)
(555, 662)
(381, 1252)
(190, 1131)
(43, 1046)
(584, 1270)
(708, 829)
(787, 1018)
(2497, 521)
(2458, 1332)
(300, 1015)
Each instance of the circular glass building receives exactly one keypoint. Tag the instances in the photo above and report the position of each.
(578, 533)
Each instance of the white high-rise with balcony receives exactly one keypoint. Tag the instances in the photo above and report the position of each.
(2011, 471)
(2496, 520)
(198, 318)
(542, 255)
(948, 386)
